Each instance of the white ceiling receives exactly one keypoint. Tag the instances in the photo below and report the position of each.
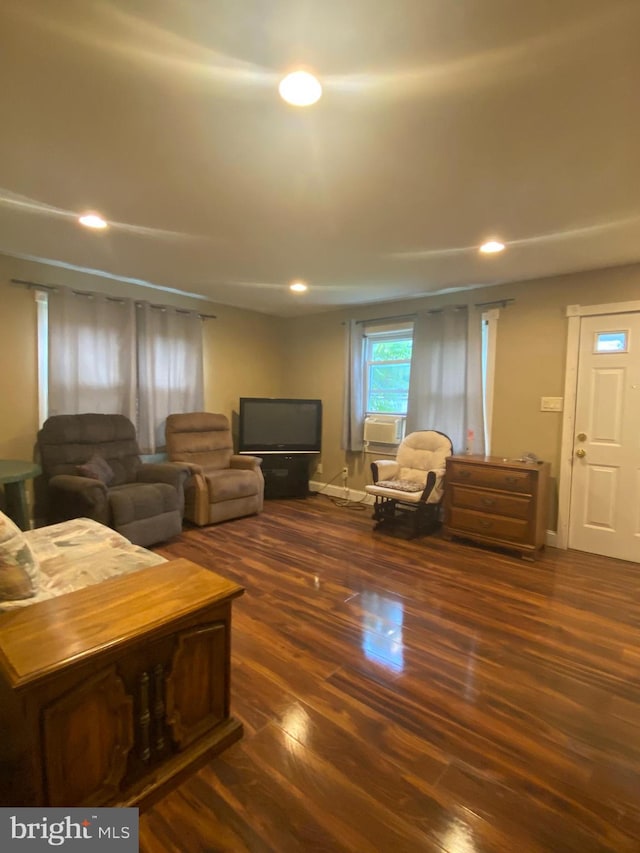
(443, 123)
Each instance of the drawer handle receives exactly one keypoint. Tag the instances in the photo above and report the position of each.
(511, 479)
(484, 522)
(488, 501)
(465, 474)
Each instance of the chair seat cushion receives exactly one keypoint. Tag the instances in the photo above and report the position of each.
(403, 485)
(382, 491)
(134, 501)
(228, 484)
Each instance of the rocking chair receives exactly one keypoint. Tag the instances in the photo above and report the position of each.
(411, 486)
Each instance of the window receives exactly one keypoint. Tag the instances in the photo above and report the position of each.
(104, 354)
(388, 368)
(451, 388)
(611, 341)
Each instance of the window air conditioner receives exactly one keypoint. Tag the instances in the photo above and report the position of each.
(387, 431)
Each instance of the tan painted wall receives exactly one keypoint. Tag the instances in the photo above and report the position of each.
(243, 357)
(530, 361)
(249, 354)
(243, 354)
(18, 376)
(531, 354)
(315, 368)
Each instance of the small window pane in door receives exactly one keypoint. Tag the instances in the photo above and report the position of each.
(611, 342)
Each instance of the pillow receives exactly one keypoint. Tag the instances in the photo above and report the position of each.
(96, 468)
(401, 485)
(19, 567)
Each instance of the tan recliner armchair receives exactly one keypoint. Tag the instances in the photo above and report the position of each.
(223, 485)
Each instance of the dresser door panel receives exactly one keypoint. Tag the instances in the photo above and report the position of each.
(87, 736)
(196, 700)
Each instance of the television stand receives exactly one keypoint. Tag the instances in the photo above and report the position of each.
(286, 475)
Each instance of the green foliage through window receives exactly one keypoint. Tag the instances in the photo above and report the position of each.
(388, 371)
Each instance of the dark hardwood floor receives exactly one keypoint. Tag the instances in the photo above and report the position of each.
(414, 695)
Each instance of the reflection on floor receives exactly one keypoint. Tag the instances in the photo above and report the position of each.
(414, 695)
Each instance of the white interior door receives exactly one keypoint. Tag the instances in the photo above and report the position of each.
(605, 485)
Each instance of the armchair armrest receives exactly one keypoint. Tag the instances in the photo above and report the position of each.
(384, 469)
(249, 463)
(173, 473)
(434, 486)
(193, 468)
(195, 475)
(72, 496)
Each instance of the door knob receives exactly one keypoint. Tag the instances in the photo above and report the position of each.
(582, 436)
(581, 453)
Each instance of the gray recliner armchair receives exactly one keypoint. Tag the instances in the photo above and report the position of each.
(91, 467)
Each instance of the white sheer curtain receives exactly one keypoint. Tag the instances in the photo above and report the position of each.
(91, 354)
(353, 405)
(445, 390)
(170, 371)
(475, 408)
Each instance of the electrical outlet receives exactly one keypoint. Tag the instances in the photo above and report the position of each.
(319, 468)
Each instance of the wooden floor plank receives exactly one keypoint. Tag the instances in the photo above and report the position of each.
(414, 695)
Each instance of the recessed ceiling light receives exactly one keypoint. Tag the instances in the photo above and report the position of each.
(298, 286)
(300, 88)
(491, 247)
(92, 220)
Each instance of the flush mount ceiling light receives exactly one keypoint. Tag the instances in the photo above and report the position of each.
(300, 88)
(92, 220)
(298, 286)
(491, 247)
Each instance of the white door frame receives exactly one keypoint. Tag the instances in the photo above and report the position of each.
(575, 313)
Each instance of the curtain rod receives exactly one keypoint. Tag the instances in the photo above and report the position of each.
(52, 288)
(500, 302)
(399, 317)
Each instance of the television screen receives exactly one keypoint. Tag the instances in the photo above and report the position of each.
(279, 425)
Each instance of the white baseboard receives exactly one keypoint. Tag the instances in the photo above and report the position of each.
(552, 538)
(340, 492)
(355, 496)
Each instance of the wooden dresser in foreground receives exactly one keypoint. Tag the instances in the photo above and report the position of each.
(497, 501)
(110, 693)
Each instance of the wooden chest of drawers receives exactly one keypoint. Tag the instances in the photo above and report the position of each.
(497, 502)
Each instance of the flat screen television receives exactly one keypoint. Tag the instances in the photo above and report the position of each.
(279, 425)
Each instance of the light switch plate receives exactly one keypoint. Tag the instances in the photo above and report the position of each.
(551, 404)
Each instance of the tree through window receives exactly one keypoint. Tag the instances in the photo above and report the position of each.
(388, 368)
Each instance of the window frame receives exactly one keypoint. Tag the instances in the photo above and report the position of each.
(381, 335)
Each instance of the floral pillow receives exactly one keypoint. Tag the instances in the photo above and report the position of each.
(19, 568)
(97, 468)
